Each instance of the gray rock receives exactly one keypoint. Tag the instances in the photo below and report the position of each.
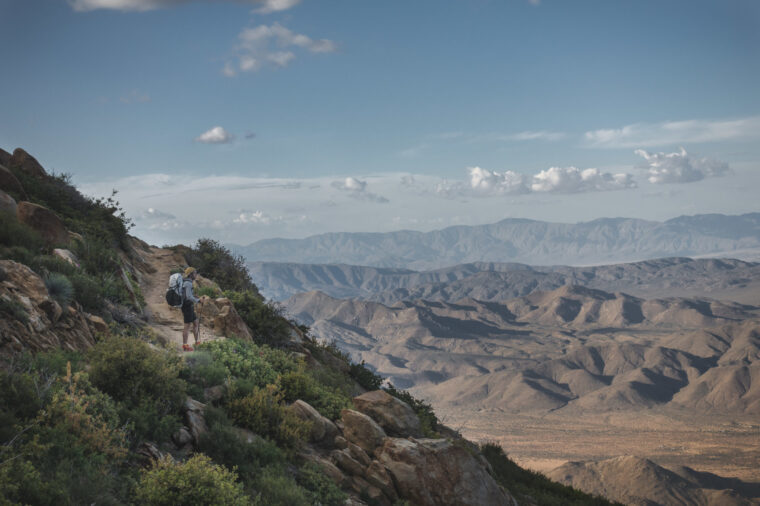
(393, 415)
(362, 430)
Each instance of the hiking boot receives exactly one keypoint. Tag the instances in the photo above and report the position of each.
(187, 347)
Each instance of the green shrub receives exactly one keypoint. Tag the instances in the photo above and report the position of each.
(15, 233)
(424, 411)
(44, 264)
(245, 360)
(144, 381)
(365, 377)
(278, 489)
(216, 262)
(20, 400)
(88, 291)
(224, 444)
(531, 486)
(265, 319)
(322, 488)
(201, 371)
(208, 291)
(17, 254)
(60, 289)
(196, 482)
(96, 255)
(302, 385)
(263, 412)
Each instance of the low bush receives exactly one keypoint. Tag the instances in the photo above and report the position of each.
(44, 264)
(145, 382)
(262, 412)
(365, 377)
(216, 262)
(60, 289)
(265, 319)
(321, 487)
(88, 291)
(196, 482)
(302, 385)
(279, 489)
(15, 233)
(261, 365)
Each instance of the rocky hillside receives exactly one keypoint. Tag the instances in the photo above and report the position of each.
(99, 406)
(665, 277)
(570, 348)
(607, 240)
(641, 482)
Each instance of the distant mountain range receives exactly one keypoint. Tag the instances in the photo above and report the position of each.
(602, 241)
(718, 278)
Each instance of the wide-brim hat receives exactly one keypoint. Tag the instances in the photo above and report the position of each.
(189, 271)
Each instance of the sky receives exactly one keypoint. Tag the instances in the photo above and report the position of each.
(249, 119)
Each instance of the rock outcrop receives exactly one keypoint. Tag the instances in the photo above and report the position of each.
(383, 470)
(44, 221)
(393, 415)
(9, 183)
(31, 320)
(322, 429)
(223, 317)
(26, 162)
(438, 471)
(7, 204)
(5, 157)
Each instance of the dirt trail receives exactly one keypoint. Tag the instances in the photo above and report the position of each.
(165, 320)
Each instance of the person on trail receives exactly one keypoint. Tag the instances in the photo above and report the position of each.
(188, 309)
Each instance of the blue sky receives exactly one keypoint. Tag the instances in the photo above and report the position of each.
(250, 119)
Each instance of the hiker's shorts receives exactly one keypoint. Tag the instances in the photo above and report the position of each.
(188, 312)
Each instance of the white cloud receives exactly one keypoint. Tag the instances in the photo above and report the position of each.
(575, 180)
(356, 188)
(541, 135)
(270, 6)
(216, 135)
(272, 44)
(266, 6)
(679, 167)
(256, 217)
(675, 132)
(489, 182)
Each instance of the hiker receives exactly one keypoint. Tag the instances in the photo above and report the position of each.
(188, 309)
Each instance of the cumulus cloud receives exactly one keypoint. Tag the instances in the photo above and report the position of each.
(679, 167)
(272, 45)
(216, 135)
(488, 183)
(675, 132)
(575, 180)
(266, 6)
(357, 189)
(491, 182)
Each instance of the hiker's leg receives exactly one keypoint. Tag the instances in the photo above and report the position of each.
(185, 332)
(197, 330)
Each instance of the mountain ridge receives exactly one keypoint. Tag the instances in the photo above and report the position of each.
(604, 240)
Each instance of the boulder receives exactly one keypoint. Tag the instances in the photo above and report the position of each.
(344, 461)
(392, 414)
(228, 323)
(322, 429)
(194, 418)
(358, 454)
(98, 325)
(377, 475)
(362, 430)
(182, 437)
(7, 204)
(26, 162)
(44, 221)
(437, 472)
(374, 494)
(9, 183)
(5, 157)
(67, 255)
(328, 468)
